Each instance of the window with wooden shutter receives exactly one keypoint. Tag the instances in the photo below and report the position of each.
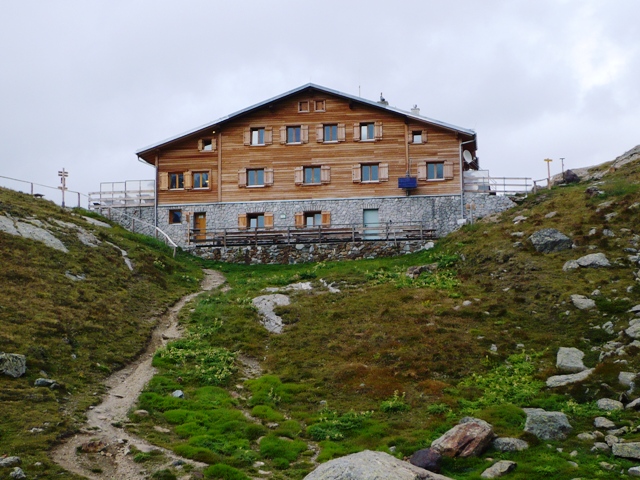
(422, 171)
(268, 219)
(298, 175)
(342, 132)
(283, 135)
(356, 132)
(188, 180)
(319, 133)
(163, 180)
(247, 136)
(304, 134)
(242, 221)
(268, 177)
(326, 219)
(299, 219)
(383, 172)
(355, 173)
(448, 170)
(242, 177)
(268, 135)
(424, 136)
(325, 174)
(378, 131)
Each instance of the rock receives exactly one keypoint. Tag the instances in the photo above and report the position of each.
(634, 472)
(627, 378)
(586, 436)
(582, 303)
(415, 271)
(571, 177)
(97, 223)
(608, 327)
(368, 465)
(635, 309)
(13, 364)
(634, 329)
(45, 382)
(602, 422)
(593, 191)
(93, 446)
(265, 305)
(17, 473)
(519, 218)
(506, 444)
(626, 450)
(40, 235)
(550, 240)
(600, 447)
(611, 440)
(634, 405)
(428, 459)
(569, 359)
(178, 394)
(469, 438)
(562, 380)
(141, 413)
(594, 260)
(499, 469)
(609, 404)
(547, 425)
(10, 462)
(550, 214)
(570, 265)
(160, 429)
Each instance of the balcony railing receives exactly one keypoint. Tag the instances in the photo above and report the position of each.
(393, 232)
(482, 182)
(130, 193)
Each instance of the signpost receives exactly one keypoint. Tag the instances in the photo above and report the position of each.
(548, 160)
(63, 180)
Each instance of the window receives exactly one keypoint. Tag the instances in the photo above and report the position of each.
(293, 134)
(255, 177)
(176, 181)
(175, 216)
(367, 131)
(320, 106)
(369, 173)
(435, 171)
(416, 136)
(256, 220)
(311, 174)
(257, 136)
(201, 180)
(206, 145)
(312, 219)
(303, 106)
(331, 133)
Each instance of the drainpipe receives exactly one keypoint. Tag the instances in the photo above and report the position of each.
(462, 178)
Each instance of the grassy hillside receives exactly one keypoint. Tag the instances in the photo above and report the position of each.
(74, 328)
(390, 363)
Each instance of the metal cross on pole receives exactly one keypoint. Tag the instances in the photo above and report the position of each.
(63, 180)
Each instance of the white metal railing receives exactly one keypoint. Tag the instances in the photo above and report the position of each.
(33, 192)
(130, 193)
(498, 185)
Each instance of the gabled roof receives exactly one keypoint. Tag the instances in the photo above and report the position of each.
(308, 86)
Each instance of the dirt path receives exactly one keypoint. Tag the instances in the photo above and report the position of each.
(124, 387)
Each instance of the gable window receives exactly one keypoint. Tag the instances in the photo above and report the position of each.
(206, 145)
(176, 181)
(416, 136)
(257, 136)
(175, 216)
(303, 106)
(255, 177)
(311, 175)
(201, 180)
(293, 134)
(320, 106)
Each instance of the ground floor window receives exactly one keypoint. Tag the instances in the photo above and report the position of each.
(255, 220)
(175, 216)
(312, 219)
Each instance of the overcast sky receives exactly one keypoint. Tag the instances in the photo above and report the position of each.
(84, 84)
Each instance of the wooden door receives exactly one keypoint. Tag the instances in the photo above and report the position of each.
(371, 223)
(200, 226)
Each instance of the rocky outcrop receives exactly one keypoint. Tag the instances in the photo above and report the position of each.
(550, 240)
(547, 425)
(368, 465)
(626, 450)
(562, 380)
(13, 364)
(469, 438)
(265, 305)
(569, 360)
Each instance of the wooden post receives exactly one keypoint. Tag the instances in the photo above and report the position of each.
(548, 160)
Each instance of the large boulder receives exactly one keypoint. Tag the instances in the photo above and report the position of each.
(428, 459)
(594, 260)
(569, 359)
(582, 303)
(499, 469)
(634, 328)
(570, 177)
(469, 438)
(13, 364)
(609, 404)
(550, 240)
(626, 450)
(562, 380)
(547, 425)
(368, 465)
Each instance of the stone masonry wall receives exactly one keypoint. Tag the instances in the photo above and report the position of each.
(127, 217)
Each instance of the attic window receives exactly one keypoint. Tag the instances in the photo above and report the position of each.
(416, 136)
(303, 106)
(320, 106)
(207, 145)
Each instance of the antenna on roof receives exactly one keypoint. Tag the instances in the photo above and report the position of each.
(359, 94)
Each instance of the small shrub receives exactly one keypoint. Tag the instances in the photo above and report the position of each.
(267, 413)
(274, 447)
(395, 404)
(438, 408)
(224, 472)
(331, 426)
(164, 475)
(281, 463)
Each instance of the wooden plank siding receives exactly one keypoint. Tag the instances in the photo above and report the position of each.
(183, 155)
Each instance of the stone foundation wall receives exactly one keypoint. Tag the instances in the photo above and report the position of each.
(301, 253)
(127, 217)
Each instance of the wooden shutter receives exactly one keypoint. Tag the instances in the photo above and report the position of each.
(210, 177)
(422, 171)
(378, 131)
(424, 136)
(356, 132)
(268, 135)
(356, 174)
(268, 177)
(298, 175)
(342, 132)
(448, 170)
(326, 219)
(242, 221)
(383, 172)
(304, 134)
(319, 133)
(188, 180)
(268, 220)
(325, 174)
(283, 135)
(200, 144)
(247, 136)
(299, 219)
(242, 177)
(163, 180)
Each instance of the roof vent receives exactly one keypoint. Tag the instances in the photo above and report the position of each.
(415, 110)
(382, 100)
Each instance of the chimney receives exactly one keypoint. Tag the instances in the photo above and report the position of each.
(382, 100)
(415, 110)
